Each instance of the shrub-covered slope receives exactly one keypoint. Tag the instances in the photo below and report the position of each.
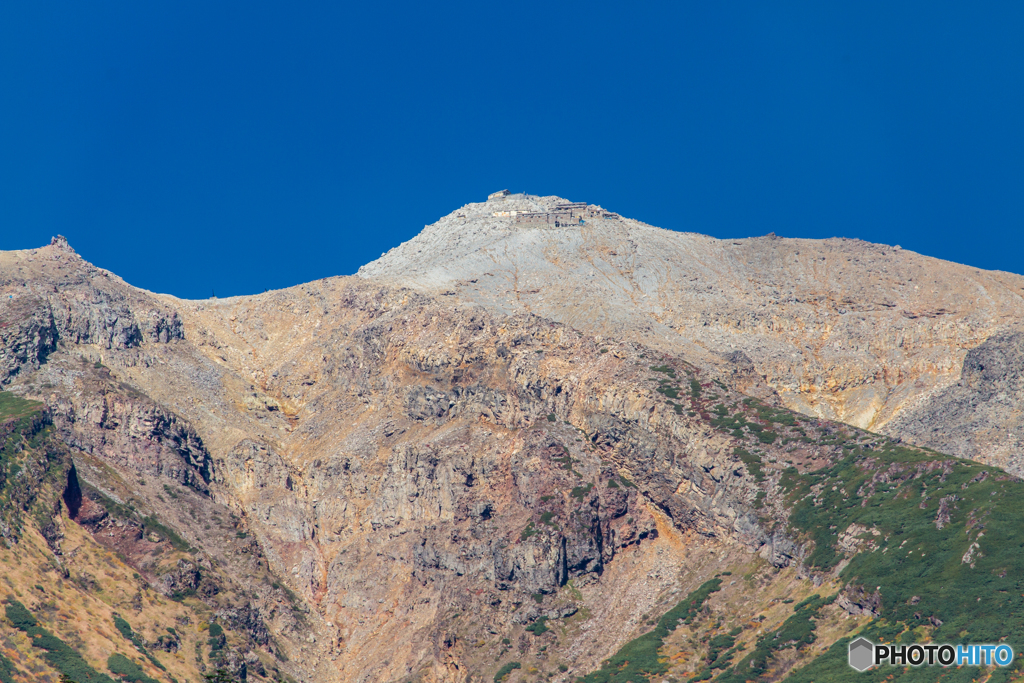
(913, 545)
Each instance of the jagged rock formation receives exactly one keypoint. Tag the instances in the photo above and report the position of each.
(840, 328)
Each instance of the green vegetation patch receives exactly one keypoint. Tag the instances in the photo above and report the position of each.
(506, 670)
(23, 432)
(726, 423)
(752, 463)
(665, 369)
(638, 659)
(694, 388)
(125, 629)
(780, 416)
(736, 423)
(152, 525)
(58, 654)
(539, 627)
(719, 653)
(127, 669)
(566, 462)
(941, 558)
(14, 407)
(579, 492)
(626, 482)
(796, 632)
(668, 390)
(6, 669)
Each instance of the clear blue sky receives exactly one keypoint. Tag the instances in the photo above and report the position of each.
(193, 147)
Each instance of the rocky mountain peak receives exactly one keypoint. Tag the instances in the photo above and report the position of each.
(61, 242)
(837, 328)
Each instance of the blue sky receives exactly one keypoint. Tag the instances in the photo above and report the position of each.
(234, 147)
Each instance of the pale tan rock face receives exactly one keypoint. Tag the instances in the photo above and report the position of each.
(841, 329)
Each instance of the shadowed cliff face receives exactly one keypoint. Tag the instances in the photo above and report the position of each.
(841, 329)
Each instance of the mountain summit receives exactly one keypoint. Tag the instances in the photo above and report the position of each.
(871, 335)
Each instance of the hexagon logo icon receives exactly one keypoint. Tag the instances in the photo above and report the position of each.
(862, 653)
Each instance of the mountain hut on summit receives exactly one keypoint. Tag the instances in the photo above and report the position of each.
(563, 215)
(560, 215)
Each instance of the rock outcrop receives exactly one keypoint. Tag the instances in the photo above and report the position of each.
(978, 417)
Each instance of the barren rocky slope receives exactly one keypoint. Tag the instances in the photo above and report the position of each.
(862, 333)
(401, 461)
(351, 480)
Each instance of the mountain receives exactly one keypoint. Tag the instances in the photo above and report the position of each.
(407, 475)
(870, 335)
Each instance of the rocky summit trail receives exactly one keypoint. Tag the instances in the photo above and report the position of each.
(539, 441)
